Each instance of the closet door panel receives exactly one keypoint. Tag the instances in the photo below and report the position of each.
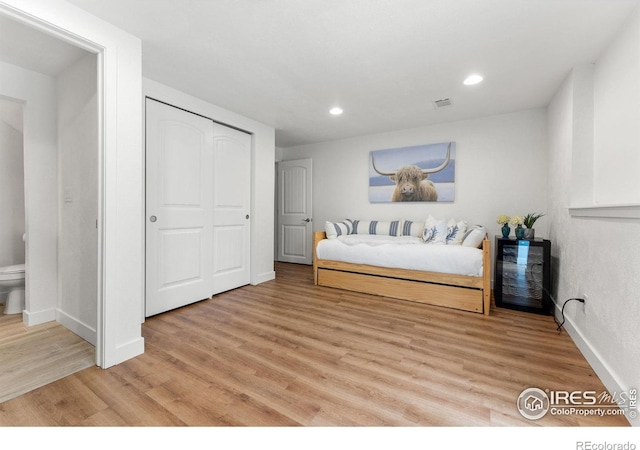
(231, 208)
(179, 155)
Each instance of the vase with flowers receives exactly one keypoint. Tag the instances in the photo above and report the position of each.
(528, 221)
(517, 222)
(504, 221)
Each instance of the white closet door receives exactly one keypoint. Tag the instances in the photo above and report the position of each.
(179, 157)
(231, 208)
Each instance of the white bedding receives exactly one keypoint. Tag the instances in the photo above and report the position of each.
(403, 252)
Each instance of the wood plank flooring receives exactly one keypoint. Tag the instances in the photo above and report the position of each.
(31, 357)
(288, 353)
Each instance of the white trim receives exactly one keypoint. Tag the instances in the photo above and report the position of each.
(603, 370)
(78, 327)
(38, 317)
(129, 350)
(49, 28)
(263, 277)
(628, 211)
(100, 324)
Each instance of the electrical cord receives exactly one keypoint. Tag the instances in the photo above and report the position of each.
(581, 300)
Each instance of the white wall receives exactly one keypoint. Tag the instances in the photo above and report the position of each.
(41, 161)
(500, 169)
(12, 224)
(597, 256)
(263, 171)
(121, 214)
(78, 197)
(616, 100)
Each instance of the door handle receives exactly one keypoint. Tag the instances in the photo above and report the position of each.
(307, 220)
(153, 219)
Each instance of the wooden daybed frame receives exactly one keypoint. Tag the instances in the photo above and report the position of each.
(453, 291)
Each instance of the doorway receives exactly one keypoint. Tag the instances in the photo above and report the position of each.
(12, 203)
(58, 84)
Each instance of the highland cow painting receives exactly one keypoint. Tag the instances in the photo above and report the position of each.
(421, 173)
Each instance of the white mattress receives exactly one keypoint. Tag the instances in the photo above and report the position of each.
(404, 252)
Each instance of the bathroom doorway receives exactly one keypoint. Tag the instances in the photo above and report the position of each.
(57, 85)
(12, 203)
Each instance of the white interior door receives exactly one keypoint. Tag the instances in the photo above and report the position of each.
(231, 208)
(295, 231)
(179, 157)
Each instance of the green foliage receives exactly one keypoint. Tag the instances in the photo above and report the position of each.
(530, 219)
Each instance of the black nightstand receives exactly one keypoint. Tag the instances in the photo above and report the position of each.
(523, 274)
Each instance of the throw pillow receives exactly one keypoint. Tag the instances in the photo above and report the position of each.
(378, 227)
(411, 228)
(335, 229)
(456, 231)
(435, 231)
(474, 236)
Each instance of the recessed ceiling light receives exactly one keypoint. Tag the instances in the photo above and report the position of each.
(335, 111)
(473, 79)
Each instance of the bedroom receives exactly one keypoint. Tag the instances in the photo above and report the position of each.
(538, 157)
(523, 160)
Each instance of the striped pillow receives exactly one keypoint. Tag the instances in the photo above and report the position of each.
(393, 228)
(411, 228)
(335, 229)
(474, 236)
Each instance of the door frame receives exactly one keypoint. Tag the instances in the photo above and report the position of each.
(118, 55)
(63, 35)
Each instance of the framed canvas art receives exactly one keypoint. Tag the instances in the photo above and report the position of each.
(420, 173)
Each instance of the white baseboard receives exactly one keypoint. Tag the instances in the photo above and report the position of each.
(263, 277)
(129, 350)
(83, 330)
(30, 318)
(606, 374)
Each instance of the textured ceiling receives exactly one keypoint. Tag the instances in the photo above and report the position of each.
(286, 62)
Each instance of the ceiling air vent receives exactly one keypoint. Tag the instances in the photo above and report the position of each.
(442, 103)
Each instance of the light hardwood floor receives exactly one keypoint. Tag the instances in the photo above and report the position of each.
(288, 353)
(31, 357)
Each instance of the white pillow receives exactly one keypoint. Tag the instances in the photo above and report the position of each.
(411, 228)
(378, 227)
(456, 231)
(360, 227)
(335, 229)
(435, 231)
(474, 236)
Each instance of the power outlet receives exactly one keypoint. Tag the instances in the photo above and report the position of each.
(583, 305)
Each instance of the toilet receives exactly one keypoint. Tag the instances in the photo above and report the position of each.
(13, 277)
